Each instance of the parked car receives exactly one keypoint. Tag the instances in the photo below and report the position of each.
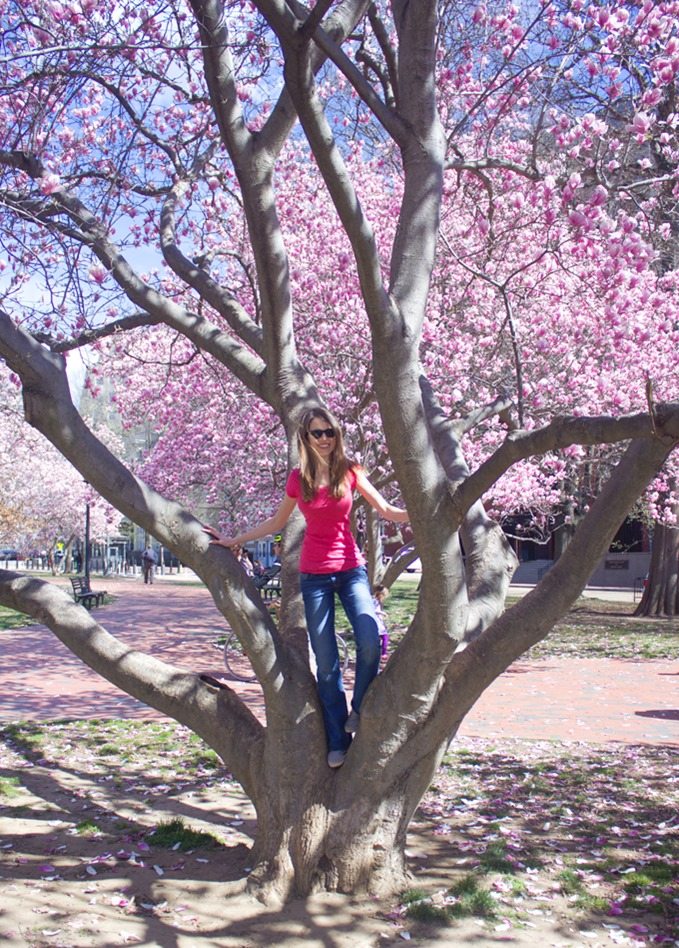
(10, 555)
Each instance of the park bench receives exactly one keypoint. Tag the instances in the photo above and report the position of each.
(82, 592)
(269, 582)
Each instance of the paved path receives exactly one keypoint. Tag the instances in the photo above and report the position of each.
(591, 700)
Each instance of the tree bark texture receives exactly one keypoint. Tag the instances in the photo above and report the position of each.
(661, 591)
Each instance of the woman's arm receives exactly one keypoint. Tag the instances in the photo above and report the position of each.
(376, 500)
(274, 524)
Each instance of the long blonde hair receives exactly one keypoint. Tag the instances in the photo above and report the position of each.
(339, 464)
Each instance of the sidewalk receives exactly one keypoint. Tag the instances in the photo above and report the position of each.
(569, 699)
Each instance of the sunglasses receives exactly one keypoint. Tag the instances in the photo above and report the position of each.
(318, 433)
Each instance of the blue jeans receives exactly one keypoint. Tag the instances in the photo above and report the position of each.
(353, 589)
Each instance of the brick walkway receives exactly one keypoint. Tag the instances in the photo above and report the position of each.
(590, 700)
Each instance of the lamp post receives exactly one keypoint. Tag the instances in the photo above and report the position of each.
(87, 542)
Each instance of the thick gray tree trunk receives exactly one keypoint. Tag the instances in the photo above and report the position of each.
(661, 592)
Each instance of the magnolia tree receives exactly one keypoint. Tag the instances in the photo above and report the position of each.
(551, 313)
(44, 497)
(206, 422)
(129, 137)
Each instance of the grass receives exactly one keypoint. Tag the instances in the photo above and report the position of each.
(468, 897)
(509, 817)
(10, 787)
(593, 628)
(601, 629)
(26, 737)
(496, 858)
(87, 828)
(11, 619)
(609, 851)
(112, 741)
(571, 884)
(472, 898)
(601, 805)
(175, 834)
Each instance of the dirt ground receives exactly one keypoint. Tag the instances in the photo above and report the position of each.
(79, 867)
(571, 817)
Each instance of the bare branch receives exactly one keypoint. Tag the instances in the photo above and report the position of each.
(387, 117)
(500, 406)
(201, 332)
(476, 165)
(219, 74)
(89, 336)
(490, 561)
(198, 277)
(562, 433)
(300, 83)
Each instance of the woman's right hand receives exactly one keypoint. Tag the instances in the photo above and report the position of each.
(216, 539)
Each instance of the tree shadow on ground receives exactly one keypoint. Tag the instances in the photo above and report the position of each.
(590, 832)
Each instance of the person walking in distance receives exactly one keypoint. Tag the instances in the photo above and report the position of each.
(148, 562)
(330, 563)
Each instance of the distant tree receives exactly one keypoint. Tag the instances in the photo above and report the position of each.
(44, 496)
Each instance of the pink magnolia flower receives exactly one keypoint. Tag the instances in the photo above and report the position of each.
(599, 196)
(641, 124)
(98, 273)
(49, 183)
(578, 219)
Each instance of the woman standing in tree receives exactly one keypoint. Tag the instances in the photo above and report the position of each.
(330, 563)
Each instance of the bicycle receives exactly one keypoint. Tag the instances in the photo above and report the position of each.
(238, 664)
(343, 650)
(236, 661)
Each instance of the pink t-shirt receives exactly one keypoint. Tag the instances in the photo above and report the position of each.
(329, 544)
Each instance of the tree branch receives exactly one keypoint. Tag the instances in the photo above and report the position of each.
(476, 165)
(386, 116)
(204, 334)
(562, 433)
(423, 155)
(50, 410)
(300, 83)
(219, 75)
(89, 336)
(490, 561)
(218, 716)
(201, 281)
(500, 406)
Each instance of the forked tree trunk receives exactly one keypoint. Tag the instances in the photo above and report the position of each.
(348, 836)
(661, 593)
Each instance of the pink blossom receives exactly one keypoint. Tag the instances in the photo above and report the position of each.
(578, 219)
(599, 196)
(98, 273)
(651, 97)
(641, 124)
(49, 183)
